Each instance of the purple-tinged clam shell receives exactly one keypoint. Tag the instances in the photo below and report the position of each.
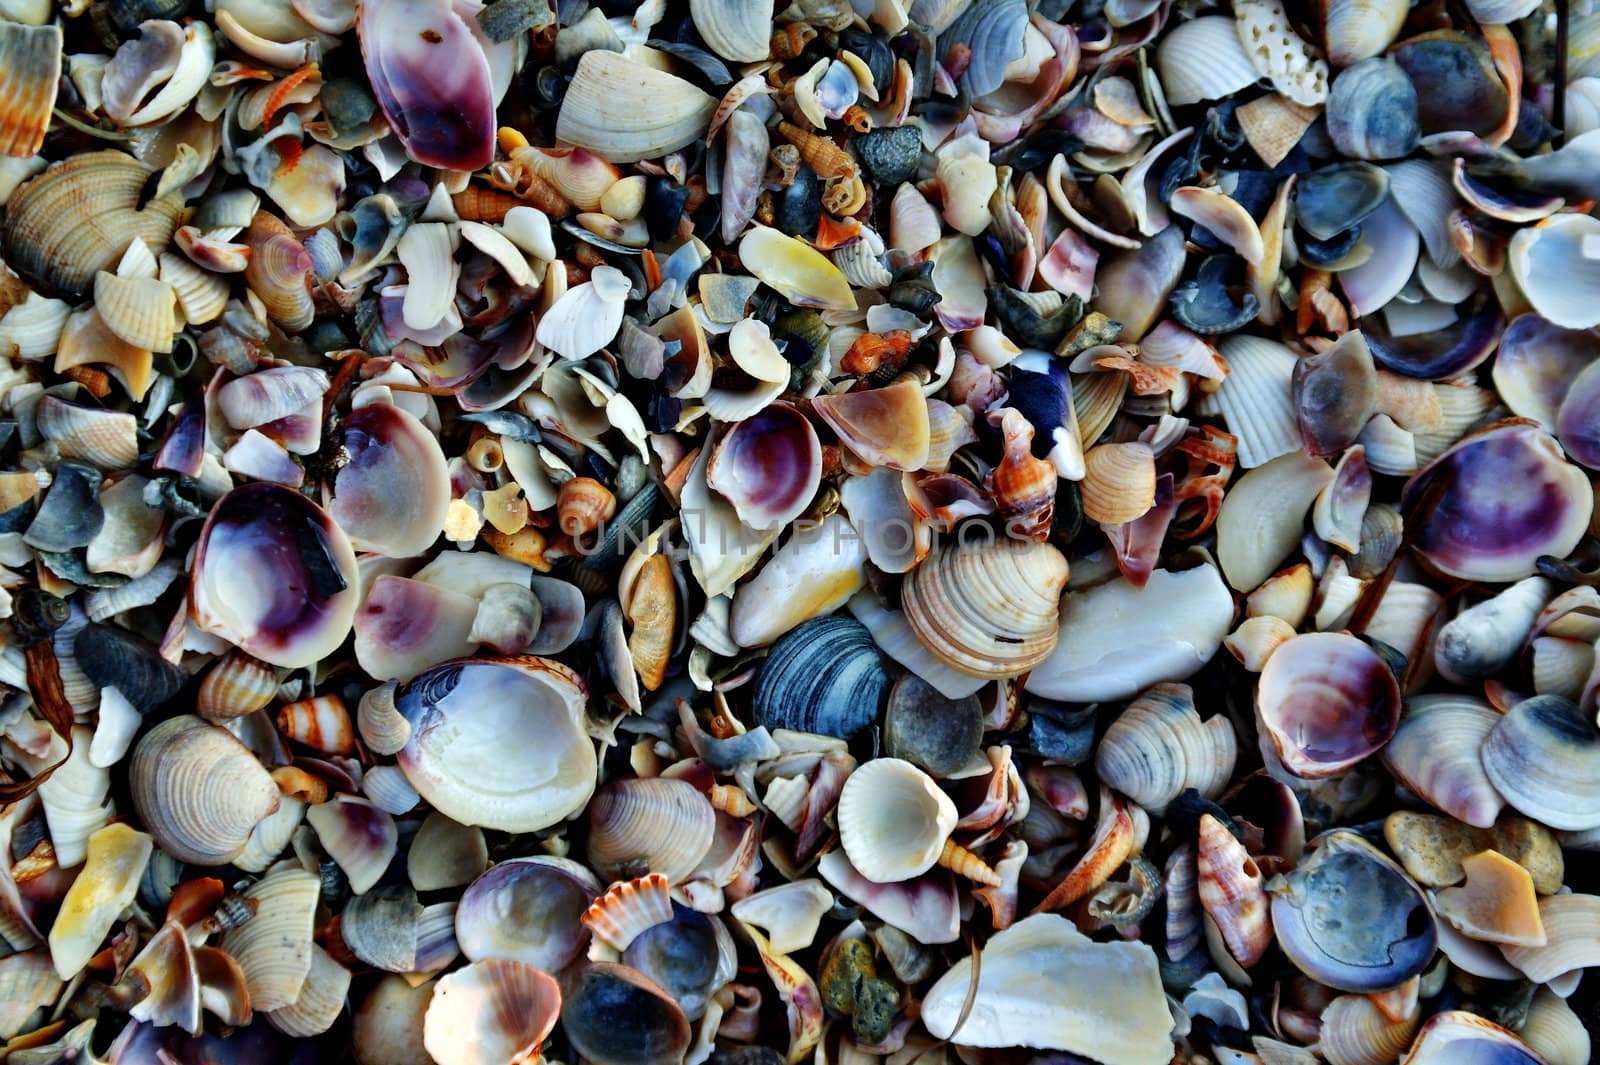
(1537, 366)
(527, 909)
(1457, 1037)
(1326, 701)
(392, 494)
(1578, 419)
(1350, 918)
(1496, 501)
(498, 742)
(768, 466)
(274, 575)
(431, 77)
(1437, 354)
(1335, 392)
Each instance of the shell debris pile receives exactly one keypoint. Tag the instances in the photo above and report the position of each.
(799, 532)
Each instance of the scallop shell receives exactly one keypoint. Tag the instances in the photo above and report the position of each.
(30, 71)
(1202, 60)
(628, 909)
(987, 608)
(139, 311)
(198, 790)
(625, 111)
(201, 295)
(490, 1013)
(1158, 746)
(652, 824)
(893, 820)
(1255, 398)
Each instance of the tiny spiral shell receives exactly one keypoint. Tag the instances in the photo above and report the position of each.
(583, 505)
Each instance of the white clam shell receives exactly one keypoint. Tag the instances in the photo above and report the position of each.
(275, 946)
(1262, 516)
(1158, 746)
(1557, 266)
(1202, 60)
(893, 820)
(625, 111)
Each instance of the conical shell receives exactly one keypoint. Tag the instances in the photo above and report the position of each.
(199, 790)
(322, 723)
(987, 608)
(1158, 746)
(625, 111)
(79, 216)
(649, 825)
(1233, 892)
(893, 820)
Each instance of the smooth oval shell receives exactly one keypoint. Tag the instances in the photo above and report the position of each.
(1456, 1037)
(615, 1015)
(1435, 752)
(527, 910)
(199, 790)
(1504, 497)
(1544, 757)
(393, 493)
(1349, 918)
(274, 575)
(498, 743)
(1327, 701)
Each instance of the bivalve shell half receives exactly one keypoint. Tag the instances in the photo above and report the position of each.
(1543, 755)
(199, 790)
(893, 820)
(625, 111)
(1158, 746)
(527, 910)
(79, 216)
(1326, 701)
(104, 887)
(824, 676)
(274, 575)
(1435, 753)
(655, 824)
(274, 948)
(987, 608)
(393, 493)
(1556, 264)
(491, 1013)
(1455, 1037)
(498, 743)
(30, 71)
(1202, 60)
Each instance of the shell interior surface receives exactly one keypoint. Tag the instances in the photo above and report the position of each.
(739, 532)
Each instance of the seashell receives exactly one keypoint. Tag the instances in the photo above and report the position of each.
(198, 790)
(615, 1015)
(201, 296)
(1256, 399)
(275, 948)
(1496, 905)
(936, 734)
(924, 908)
(31, 983)
(1336, 515)
(493, 1012)
(1261, 517)
(1279, 54)
(279, 272)
(1551, 264)
(1349, 918)
(1335, 392)
(1273, 124)
(1255, 640)
(653, 824)
(1483, 639)
(108, 882)
(1158, 746)
(310, 599)
(108, 439)
(1537, 757)
(1356, 1032)
(584, 505)
(433, 83)
(527, 910)
(767, 466)
(1134, 285)
(1121, 1015)
(465, 715)
(628, 909)
(235, 686)
(884, 426)
(1105, 624)
(321, 999)
(1458, 539)
(722, 549)
(1553, 1030)
(157, 75)
(1569, 934)
(753, 353)
(1326, 701)
(812, 574)
(1223, 216)
(913, 223)
(893, 820)
(800, 274)
(35, 326)
(357, 835)
(967, 180)
(31, 59)
(586, 317)
(1538, 365)
(445, 854)
(387, 1028)
(70, 515)
(320, 723)
(579, 176)
(389, 789)
(269, 395)
(1353, 30)
(987, 608)
(1395, 250)
(1202, 59)
(1465, 91)
(76, 219)
(84, 340)
(1574, 425)
(1024, 487)
(392, 494)
(1231, 892)
(691, 956)
(1449, 1035)
(1435, 753)
(1119, 483)
(271, 835)
(663, 113)
(427, 251)
(1372, 112)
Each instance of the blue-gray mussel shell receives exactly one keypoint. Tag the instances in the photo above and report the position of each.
(825, 676)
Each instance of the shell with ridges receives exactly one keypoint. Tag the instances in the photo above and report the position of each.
(1158, 746)
(893, 820)
(490, 1013)
(1202, 60)
(628, 909)
(655, 824)
(199, 790)
(624, 111)
(275, 946)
